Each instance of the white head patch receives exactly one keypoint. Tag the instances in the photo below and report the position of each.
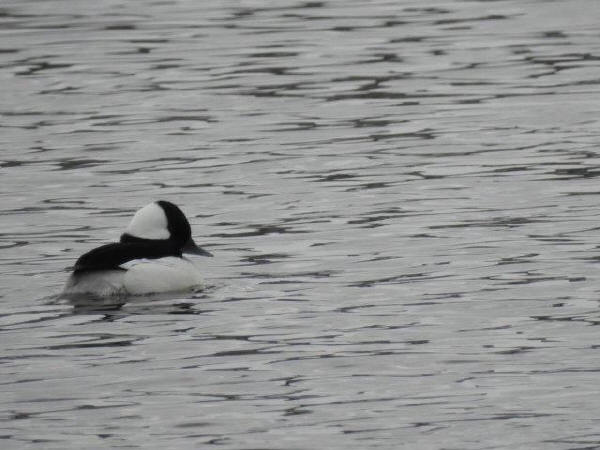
(150, 222)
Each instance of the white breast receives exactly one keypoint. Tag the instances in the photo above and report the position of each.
(161, 275)
(168, 274)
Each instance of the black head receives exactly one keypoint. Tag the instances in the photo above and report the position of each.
(163, 220)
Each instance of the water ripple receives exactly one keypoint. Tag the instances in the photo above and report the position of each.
(400, 198)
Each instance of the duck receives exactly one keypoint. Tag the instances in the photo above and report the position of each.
(148, 259)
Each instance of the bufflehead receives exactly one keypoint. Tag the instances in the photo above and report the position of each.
(147, 259)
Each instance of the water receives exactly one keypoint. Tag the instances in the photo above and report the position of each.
(401, 197)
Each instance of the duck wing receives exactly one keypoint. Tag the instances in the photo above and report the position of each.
(111, 256)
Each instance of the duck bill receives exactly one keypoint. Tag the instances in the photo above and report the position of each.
(192, 249)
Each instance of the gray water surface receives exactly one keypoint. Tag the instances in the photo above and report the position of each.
(401, 197)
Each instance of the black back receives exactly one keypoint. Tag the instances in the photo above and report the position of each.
(111, 256)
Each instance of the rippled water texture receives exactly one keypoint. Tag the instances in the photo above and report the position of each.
(401, 198)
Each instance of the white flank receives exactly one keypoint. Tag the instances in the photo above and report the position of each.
(143, 276)
(107, 283)
(168, 274)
